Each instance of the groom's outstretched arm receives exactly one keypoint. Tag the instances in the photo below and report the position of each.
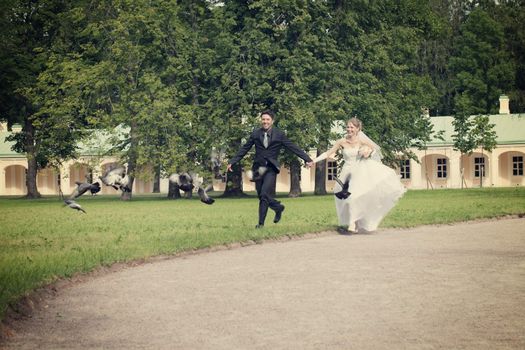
(295, 149)
(242, 152)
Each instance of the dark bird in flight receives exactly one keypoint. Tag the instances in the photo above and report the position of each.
(189, 181)
(343, 194)
(203, 195)
(83, 187)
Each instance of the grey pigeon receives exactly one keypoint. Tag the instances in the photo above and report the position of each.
(203, 195)
(189, 181)
(217, 159)
(343, 194)
(83, 187)
(117, 179)
(258, 174)
(74, 205)
(184, 181)
(95, 188)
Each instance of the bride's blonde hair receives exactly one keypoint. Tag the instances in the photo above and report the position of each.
(356, 122)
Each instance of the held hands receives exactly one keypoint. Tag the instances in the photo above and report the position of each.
(229, 168)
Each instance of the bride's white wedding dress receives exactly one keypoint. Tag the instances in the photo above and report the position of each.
(374, 187)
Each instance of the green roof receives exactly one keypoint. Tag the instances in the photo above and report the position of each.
(5, 147)
(510, 129)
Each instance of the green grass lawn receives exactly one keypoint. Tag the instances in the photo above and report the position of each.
(41, 240)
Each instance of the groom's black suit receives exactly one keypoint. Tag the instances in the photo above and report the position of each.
(268, 157)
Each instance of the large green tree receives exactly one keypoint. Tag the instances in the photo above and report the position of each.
(384, 86)
(33, 38)
(511, 15)
(126, 65)
(481, 65)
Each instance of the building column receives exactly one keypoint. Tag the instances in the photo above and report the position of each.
(415, 174)
(65, 178)
(494, 169)
(455, 171)
(2, 182)
(307, 180)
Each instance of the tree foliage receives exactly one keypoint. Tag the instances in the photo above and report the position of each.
(179, 79)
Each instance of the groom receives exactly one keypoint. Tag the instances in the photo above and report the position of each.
(268, 142)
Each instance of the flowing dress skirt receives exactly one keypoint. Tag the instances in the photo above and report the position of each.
(375, 189)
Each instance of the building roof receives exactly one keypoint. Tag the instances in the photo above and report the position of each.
(5, 147)
(510, 129)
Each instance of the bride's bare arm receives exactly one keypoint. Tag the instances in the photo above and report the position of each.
(366, 149)
(328, 153)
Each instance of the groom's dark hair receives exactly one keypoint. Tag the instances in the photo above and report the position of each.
(269, 112)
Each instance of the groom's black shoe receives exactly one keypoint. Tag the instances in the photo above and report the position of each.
(278, 214)
(259, 226)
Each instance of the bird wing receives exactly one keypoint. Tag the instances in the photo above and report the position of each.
(174, 178)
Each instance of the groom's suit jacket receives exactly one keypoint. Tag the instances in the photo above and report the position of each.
(268, 156)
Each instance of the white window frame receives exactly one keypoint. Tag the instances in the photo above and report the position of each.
(331, 170)
(405, 169)
(442, 168)
(515, 165)
(477, 166)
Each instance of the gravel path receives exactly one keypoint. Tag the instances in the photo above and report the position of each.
(432, 287)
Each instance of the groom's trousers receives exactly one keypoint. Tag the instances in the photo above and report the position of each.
(266, 191)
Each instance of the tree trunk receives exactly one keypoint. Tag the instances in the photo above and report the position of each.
(132, 161)
(156, 181)
(32, 168)
(173, 191)
(481, 169)
(320, 175)
(461, 170)
(59, 184)
(32, 190)
(295, 179)
(234, 183)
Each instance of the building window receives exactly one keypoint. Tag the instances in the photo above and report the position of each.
(404, 169)
(331, 170)
(517, 165)
(479, 166)
(442, 168)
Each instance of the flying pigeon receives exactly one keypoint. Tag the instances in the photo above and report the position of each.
(184, 181)
(257, 174)
(117, 179)
(74, 205)
(83, 187)
(343, 194)
(217, 158)
(189, 181)
(95, 188)
(203, 195)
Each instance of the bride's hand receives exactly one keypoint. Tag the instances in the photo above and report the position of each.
(365, 151)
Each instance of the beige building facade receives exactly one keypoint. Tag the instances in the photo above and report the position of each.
(439, 166)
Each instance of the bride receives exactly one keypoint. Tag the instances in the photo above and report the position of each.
(374, 188)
